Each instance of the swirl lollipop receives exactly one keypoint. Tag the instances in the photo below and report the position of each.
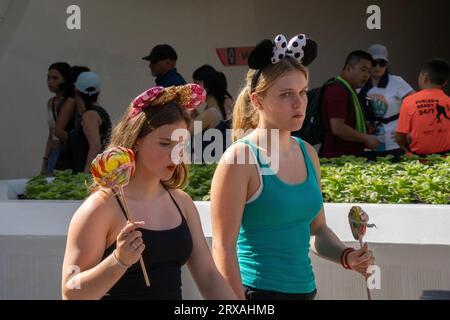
(113, 169)
(358, 220)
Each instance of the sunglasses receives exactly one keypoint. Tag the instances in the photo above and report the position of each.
(382, 63)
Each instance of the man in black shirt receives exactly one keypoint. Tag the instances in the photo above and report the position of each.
(163, 59)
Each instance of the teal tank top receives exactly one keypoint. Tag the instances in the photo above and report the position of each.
(273, 242)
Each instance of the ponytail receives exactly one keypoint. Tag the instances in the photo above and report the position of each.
(245, 115)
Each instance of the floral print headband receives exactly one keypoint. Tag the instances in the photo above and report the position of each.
(189, 96)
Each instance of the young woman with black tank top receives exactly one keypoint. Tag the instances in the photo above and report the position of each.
(167, 231)
(60, 113)
(92, 125)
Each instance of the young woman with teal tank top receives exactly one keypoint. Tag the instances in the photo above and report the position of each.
(263, 217)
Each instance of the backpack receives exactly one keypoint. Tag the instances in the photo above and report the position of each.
(312, 129)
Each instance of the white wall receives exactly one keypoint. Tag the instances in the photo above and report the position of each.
(115, 35)
(411, 246)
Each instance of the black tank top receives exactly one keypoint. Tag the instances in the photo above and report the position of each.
(78, 142)
(56, 108)
(165, 253)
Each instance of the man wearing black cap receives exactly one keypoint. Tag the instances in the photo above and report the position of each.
(163, 59)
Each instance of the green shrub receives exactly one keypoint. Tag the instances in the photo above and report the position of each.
(64, 186)
(344, 180)
(352, 180)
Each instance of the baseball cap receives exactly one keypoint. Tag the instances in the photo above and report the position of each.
(378, 51)
(88, 83)
(161, 52)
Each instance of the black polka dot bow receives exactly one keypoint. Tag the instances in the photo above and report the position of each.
(294, 49)
(272, 52)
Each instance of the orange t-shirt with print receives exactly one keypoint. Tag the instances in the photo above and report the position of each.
(425, 117)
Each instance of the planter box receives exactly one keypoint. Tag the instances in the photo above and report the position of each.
(411, 245)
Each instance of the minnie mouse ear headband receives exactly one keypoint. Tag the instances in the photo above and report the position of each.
(269, 52)
(189, 96)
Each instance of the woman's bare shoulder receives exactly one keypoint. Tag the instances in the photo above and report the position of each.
(99, 208)
(184, 201)
(237, 154)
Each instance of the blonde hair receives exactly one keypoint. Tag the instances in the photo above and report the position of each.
(128, 131)
(245, 115)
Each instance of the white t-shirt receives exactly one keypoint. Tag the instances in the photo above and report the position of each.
(394, 93)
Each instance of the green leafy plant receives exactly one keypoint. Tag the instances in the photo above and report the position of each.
(200, 177)
(414, 180)
(64, 186)
(347, 179)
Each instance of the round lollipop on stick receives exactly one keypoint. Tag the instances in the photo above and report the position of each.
(358, 220)
(113, 169)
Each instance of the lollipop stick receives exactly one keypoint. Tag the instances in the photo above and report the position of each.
(144, 270)
(369, 296)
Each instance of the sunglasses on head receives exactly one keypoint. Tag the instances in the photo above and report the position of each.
(382, 63)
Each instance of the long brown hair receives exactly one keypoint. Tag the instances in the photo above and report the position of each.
(128, 131)
(245, 115)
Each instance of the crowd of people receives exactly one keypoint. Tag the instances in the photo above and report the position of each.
(369, 112)
(366, 111)
(79, 128)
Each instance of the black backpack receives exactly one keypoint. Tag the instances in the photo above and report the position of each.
(312, 129)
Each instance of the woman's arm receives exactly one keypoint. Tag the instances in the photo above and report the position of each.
(326, 243)
(64, 116)
(228, 197)
(229, 105)
(210, 282)
(47, 152)
(91, 126)
(48, 145)
(86, 244)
